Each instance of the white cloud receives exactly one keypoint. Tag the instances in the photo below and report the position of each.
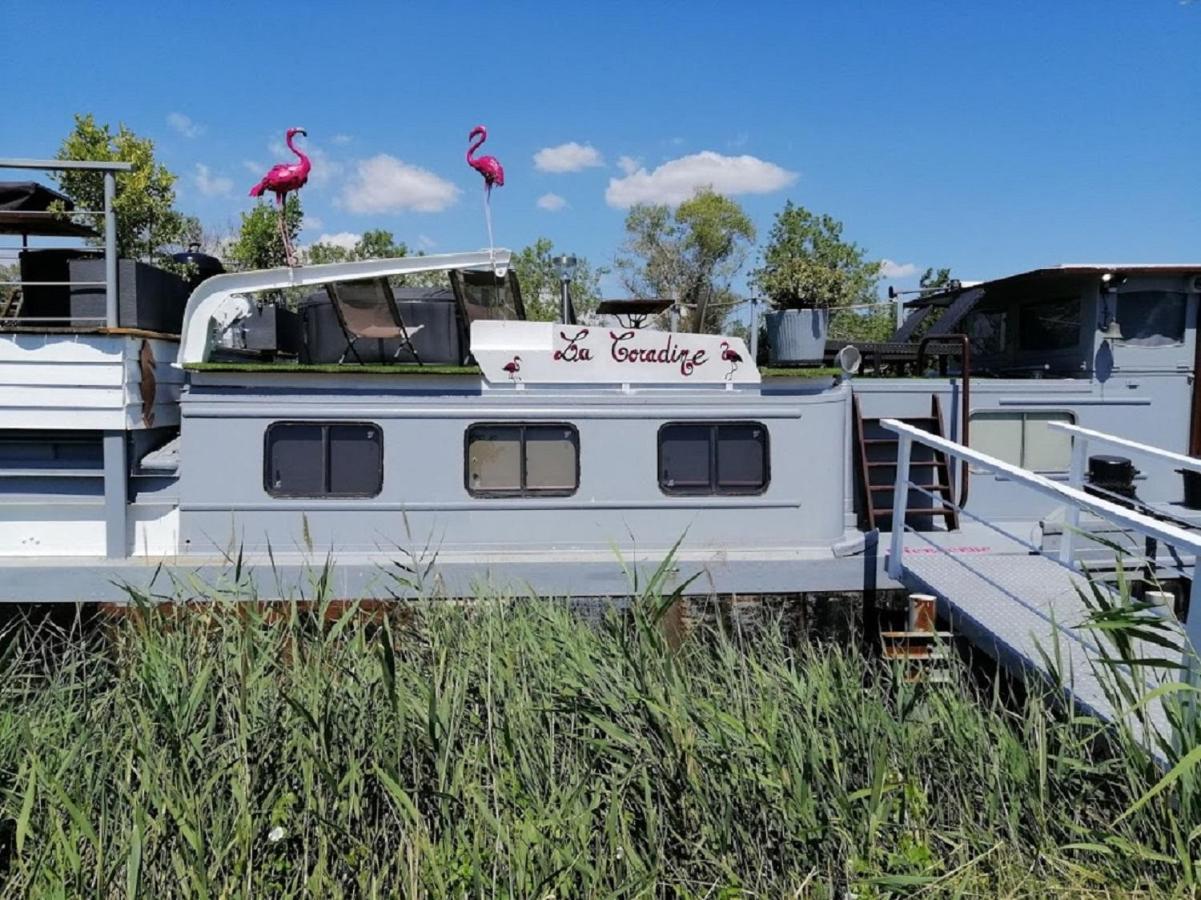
(551, 202)
(211, 185)
(254, 168)
(313, 222)
(341, 139)
(628, 164)
(570, 157)
(890, 269)
(344, 239)
(183, 125)
(386, 184)
(678, 179)
(425, 242)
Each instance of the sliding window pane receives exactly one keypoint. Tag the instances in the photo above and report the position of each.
(356, 460)
(551, 461)
(684, 458)
(494, 458)
(295, 461)
(741, 458)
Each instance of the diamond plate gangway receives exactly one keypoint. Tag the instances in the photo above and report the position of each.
(1023, 607)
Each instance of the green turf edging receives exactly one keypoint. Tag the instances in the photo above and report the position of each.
(398, 369)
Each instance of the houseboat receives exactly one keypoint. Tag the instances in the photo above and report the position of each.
(407, 440)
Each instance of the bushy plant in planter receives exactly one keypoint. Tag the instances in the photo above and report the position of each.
(807, 270)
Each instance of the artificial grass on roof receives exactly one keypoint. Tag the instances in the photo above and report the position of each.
(334, 368)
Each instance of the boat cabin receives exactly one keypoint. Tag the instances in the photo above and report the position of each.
(405, 410)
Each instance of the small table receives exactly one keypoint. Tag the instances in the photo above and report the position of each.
(633, 313)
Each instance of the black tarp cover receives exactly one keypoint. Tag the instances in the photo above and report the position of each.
(21, 206)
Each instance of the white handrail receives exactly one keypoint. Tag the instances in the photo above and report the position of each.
(1188, 462)
(1080, 441)
(1073, 497)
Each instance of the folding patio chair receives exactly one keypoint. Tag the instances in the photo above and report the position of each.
(367, 309)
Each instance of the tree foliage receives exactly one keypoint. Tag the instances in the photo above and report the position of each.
(689, 255)
(934, 279)
(808, 263)
(148, 225)
(539, 280)
(258, 244)
(378, 243)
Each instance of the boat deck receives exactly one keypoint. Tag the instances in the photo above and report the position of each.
(390, 573)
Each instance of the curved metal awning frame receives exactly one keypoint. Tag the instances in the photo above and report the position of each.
(222, 299)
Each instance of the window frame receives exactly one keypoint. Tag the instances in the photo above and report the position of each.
(1024, 413)
(714, 489)
(325, 425)
(522, 492)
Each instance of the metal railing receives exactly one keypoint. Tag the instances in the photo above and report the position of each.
(1080, 441)
(1070, 496)
(109, 171)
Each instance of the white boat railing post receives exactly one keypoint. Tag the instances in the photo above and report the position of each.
(900, 502)
(1071, 512)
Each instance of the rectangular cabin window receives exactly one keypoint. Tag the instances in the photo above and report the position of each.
(522, 460)
(1023, 438)
(323, 459)
(702, 459)
(1152, 318)
(1049, 325)
(986, 330)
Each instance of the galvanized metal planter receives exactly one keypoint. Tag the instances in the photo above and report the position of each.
(797, 335)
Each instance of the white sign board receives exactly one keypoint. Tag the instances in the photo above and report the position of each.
(551, 353)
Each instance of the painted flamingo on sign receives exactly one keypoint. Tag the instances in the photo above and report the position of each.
(513, 366)
(282, 180)
(733, 357)
(490, 168)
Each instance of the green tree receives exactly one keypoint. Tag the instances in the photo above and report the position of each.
(934, 279)
(808, 263)
(148, 225)
(539, 280)
(689, 255)
(258, 244)
(375, 244)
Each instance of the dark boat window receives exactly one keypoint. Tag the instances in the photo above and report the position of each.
(1152, 318)
(520, 460)
(323, 459)
(713, 458)
(1049, 325)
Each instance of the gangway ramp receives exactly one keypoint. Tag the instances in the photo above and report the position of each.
(1022, 607)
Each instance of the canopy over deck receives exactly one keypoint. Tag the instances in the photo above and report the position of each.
(222, 299)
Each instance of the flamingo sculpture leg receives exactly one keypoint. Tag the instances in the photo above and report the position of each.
(282, 180)
(281, 206)
(493, 172)
(488, 217)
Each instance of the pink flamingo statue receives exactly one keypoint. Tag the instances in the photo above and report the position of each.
(513, 367)
(491, 169)
(282, 180)
(733, 357)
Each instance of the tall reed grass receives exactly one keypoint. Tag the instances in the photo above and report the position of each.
(509, 748)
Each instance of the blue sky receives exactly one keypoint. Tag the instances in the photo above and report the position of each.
(989, 137)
